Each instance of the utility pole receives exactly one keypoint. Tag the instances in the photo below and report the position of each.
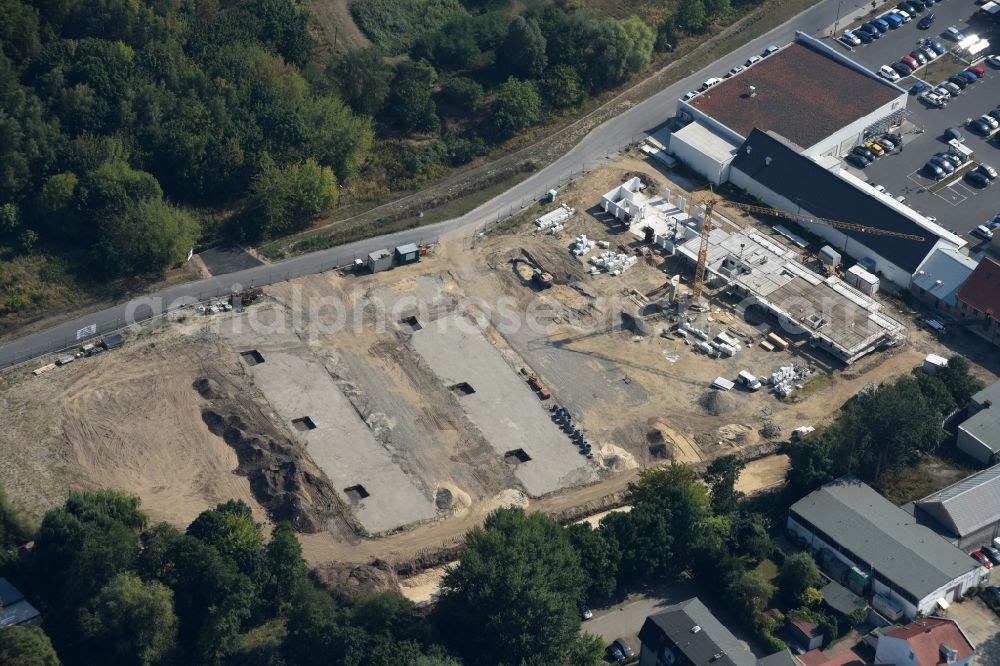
(836, 22)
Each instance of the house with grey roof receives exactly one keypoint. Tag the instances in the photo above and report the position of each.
(979, 434)
(967, 512)
(688, 633)
(937, 281)
(910, 569)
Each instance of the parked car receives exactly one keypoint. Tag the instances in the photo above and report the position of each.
(952, 133)
(888, 72)
(850, 39)
(585, 613)
(902, 68)
(714, 81)
(911, 61)
(894, 20)
(983, 232)
(929, 52)
(978, 70)
(875, 148)
(934, 170)
(933, 99)
(993, 60)
(918, 56)
(918, 88)
(968, 76)
(945, 165)
(863, 36)
(959, 81)
(992, 553)
(991, 121)
(926, 22)
(751, 60)
(872, 29)
(857, 161)
(954, 34)
(942, 92)
(893, 141)
(882, 24)
(769, 50)
(864, 152)
(689, 95)
(937, 46)
(982, 559)
(979, 180)
(991, 597)
(903, 15)
(951, 157)
(980, 126)
(952, 88)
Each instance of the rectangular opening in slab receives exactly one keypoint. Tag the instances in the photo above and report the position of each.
(412, 323)
(252, 357)
(462, 388)
(303, 424)
(356, 493)
(516, 457)
(659, 451)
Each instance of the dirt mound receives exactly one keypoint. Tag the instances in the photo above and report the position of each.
(716, 403)
(350, 582)
(208, 388)
(737, 434)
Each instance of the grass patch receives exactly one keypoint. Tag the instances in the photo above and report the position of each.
(395, 24)
(816, 382)
(929, 475)
(938, 71)
(31, 286)
(953, 178)
(767, 569)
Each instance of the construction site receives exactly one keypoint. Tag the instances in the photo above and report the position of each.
(385, 413)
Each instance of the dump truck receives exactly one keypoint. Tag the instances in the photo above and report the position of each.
(536, 385)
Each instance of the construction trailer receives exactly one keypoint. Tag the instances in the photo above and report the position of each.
(379, 260)
(407, 254)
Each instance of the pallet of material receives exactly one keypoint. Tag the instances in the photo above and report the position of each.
(780, 343)
(42, 370)
(766, 346)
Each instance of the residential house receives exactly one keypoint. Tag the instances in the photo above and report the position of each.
(979, 301)
(979, 434)
(938, 280)
(925, 642)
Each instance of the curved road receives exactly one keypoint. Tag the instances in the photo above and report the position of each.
(602, 141)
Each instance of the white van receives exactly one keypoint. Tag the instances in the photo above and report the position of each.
(714, 81)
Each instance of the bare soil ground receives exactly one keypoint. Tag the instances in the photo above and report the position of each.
(340, 33)
(140, 419)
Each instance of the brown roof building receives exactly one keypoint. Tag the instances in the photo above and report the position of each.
(925, 642)
(979, 300)
(806, 92)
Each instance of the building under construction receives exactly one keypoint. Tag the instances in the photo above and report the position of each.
(835, 316)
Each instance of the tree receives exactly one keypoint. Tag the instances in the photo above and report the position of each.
(751, 594)
(229, 527)
(282, 198)
(10, 219)
(562, 87)
(14, 531)
(516, 107)
(285, 25)
(523, 50)
(464, 93)
(692, 16)
(639, 41)
(513, 596)
(721, 476)
(285, 564)
(957, 377)
(363, 79)
(26, 646)
(600, 559)
(411, 107)
(131, 621)
(717, 8)
(148, 236)
(798, 572)
(811, 597)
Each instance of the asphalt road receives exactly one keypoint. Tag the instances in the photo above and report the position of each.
(602, 141)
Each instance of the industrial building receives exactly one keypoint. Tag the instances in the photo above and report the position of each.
(979, 434)
(968, 512)
(807, 92)
(938, 280)
(769, 167)
(835, 316)
(908, 569)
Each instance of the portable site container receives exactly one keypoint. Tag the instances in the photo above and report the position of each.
(379, 260)
(407, 254)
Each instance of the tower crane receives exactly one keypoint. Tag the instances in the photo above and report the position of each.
(706, 228)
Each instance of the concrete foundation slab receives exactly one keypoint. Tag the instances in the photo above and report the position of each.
(502, 406)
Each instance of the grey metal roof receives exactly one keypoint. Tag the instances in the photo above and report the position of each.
(969, 505)
(984, 425)
(8, 593)
(783, 658)
(408, 248)
(17, 613)
(944, 273)
(840, 599)
(883, 536)
(677, 623)
(780, 168)
(991, 393)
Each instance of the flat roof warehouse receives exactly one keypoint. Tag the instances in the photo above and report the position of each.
(800, 92)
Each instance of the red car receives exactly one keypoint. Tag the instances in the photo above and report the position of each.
(978, 70)
(982, 559)
(911, 61)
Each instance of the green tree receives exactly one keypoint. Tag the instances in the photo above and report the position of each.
(26, 646)
(516, 107)
(14, 531)
(957, 377)
(411, 107)
(639, 41)
(562, 87)
(336, 138)
(229, 527)
(513, 596)
(798, 573)
(721, 476)
(131, 621)
(285, 565)
(148, 236)
(285, 25)
(10, 219)
(717, 8)
(523, 50)
(463, 93)
(600, 559)
(692, 16)
(363, 79)
(283, 198)
(751, 595)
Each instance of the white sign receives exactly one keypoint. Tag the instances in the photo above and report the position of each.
(86, 332)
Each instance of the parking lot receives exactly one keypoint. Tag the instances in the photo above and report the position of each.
(958, 205)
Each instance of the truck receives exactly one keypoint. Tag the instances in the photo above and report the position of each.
(748, 380)
(543, 279)
(536, 385)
